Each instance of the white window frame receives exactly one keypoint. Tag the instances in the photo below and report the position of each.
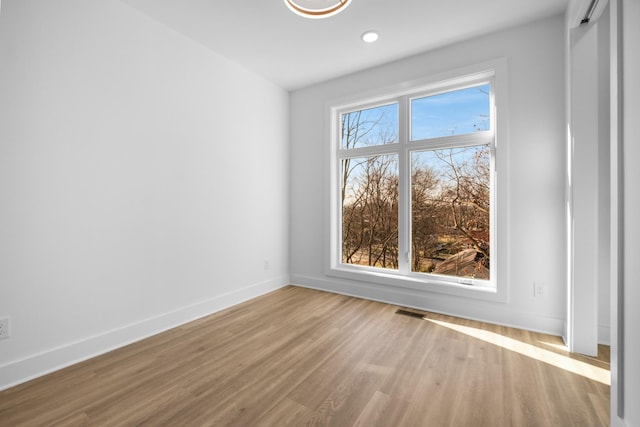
(496, 288)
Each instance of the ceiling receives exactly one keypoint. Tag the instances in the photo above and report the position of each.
(293, 52)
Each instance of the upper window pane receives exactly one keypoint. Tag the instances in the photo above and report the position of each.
(451, 113)
(372, 126)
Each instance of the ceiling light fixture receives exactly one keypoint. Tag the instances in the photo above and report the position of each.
(369, 36)
(317, 8)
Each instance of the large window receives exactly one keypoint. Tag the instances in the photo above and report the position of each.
(414, 184)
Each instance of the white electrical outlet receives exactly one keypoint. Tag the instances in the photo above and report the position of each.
(538, 290)
(4, 327)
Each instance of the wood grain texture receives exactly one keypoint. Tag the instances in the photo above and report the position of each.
(301, 357)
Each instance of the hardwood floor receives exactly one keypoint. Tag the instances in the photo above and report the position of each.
(303, 357)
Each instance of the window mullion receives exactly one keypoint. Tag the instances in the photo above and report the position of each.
(375, 150)
(404, 190)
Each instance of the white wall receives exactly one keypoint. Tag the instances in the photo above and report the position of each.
(143, 181)
(536, 230)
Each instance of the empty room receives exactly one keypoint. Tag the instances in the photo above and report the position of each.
(319, 212)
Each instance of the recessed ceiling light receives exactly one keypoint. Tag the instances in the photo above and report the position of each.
(317, 8)
(369, 36)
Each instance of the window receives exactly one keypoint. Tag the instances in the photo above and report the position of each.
(413, 186)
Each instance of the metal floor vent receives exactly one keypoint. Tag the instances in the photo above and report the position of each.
(410, 313)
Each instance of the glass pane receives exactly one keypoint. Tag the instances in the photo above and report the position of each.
(450, 196)
(451, 113)
(370, 211)
(373, 126)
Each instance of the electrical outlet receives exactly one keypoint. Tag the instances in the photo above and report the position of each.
(538, 289)
(267, 264)
(4, 327)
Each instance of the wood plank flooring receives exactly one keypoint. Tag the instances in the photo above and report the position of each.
(299, 357)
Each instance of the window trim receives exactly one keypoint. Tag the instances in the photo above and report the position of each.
(494, 71)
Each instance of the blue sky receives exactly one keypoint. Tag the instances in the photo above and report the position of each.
(451, 113)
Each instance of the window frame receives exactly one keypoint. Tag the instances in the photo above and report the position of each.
(493, 72)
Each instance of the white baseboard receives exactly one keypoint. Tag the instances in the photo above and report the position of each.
(438, 303)
(604, 334)
(36, 365)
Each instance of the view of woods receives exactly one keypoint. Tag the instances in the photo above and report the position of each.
(450, 196)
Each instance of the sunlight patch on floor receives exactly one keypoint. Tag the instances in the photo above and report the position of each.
(571, 365)
(561, 347)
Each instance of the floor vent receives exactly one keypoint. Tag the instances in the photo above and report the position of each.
(409, 313)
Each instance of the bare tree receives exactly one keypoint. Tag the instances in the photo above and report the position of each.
(424, 224)
(466, 192)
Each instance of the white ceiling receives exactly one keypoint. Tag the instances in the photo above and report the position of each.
(293, 52)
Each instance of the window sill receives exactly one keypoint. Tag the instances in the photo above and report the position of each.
(422, 283)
